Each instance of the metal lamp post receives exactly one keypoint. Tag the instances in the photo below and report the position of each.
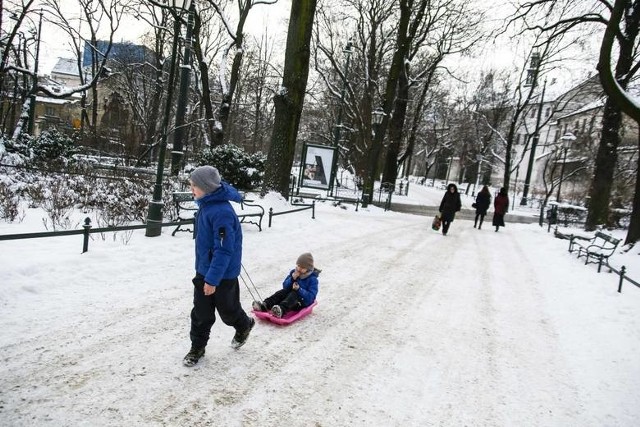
(185, 77)
(336, 135)
(532, 81)
(154, 218)
(377, 116)
(566, 142)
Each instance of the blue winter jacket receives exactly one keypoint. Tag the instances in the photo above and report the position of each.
(219, 236)
(308, 286)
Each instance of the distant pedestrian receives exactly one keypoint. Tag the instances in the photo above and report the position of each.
(483, 201)
(449, 206)
(218, 262)
(500, 207)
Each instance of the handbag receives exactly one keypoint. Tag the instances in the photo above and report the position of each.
(435, 224)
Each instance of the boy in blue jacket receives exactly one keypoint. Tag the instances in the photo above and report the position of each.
(218, 262)
(299, 289)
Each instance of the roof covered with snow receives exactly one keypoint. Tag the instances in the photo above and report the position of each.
(66, 66)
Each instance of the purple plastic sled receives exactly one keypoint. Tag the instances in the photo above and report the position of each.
(289, 317)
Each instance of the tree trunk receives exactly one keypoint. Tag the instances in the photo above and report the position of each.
(225, 105)
(633, 235)
(396, 128)
(397, 66)
(289, 100)
(617, 95)
(606, 158)
(600, 192)
(211, 129)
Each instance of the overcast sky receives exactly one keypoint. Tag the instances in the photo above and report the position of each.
(503, 53)
(54, 42)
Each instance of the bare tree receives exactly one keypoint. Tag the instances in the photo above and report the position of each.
(17, 63)
(252, 115)
(236, 48)
(447, 27)
(141, 79)
(625, 26)
(290, 98)
(615, 85)
(367, 27)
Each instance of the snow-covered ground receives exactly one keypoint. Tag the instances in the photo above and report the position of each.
(477, 328)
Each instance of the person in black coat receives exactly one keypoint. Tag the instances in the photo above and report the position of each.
(483, 201)
(449, 206)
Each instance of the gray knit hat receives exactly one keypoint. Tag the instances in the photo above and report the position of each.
(305, 261)
(206, 178)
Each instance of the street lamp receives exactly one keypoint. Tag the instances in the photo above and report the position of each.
(377, 117)
(534, 144)
(185, 77)
(566, 142)
(154, 218)
(336, 135)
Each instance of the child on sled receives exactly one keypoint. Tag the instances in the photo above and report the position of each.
(299, 289)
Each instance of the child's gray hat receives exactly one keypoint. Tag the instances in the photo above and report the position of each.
(206, 178)
(305, 261)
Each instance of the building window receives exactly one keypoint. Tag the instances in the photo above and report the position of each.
(50, 111)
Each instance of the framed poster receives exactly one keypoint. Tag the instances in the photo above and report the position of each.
(316, 167)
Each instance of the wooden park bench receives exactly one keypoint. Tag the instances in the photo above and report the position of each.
(598, 249)
(186, 208)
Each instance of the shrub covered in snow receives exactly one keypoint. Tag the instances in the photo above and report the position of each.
(237, 167)
(50, 150)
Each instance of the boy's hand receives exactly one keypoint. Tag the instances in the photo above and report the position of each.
(295, 286)
(208, 289)
(295, 274)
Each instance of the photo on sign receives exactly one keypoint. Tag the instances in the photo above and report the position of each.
(316, 167)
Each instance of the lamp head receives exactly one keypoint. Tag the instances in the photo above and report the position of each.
(178, 4)
(378, 115)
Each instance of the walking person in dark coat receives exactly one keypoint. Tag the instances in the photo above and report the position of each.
(218, 263)
(449, 206)
(500, 207)
(483, 201)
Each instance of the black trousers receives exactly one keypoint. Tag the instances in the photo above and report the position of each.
(226, 300)
(481, 216)
(445, 226)
(287, 300)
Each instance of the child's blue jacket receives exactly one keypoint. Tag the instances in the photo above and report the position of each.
(219, 236)
(308, 287)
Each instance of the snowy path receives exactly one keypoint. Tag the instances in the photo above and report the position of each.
(424, 330)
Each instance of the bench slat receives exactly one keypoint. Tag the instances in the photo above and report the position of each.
(184, 201)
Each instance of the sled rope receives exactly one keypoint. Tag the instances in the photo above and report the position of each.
(246, 285)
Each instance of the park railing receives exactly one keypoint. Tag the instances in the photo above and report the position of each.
(302, 207)
(622, 272)
(87, 230)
